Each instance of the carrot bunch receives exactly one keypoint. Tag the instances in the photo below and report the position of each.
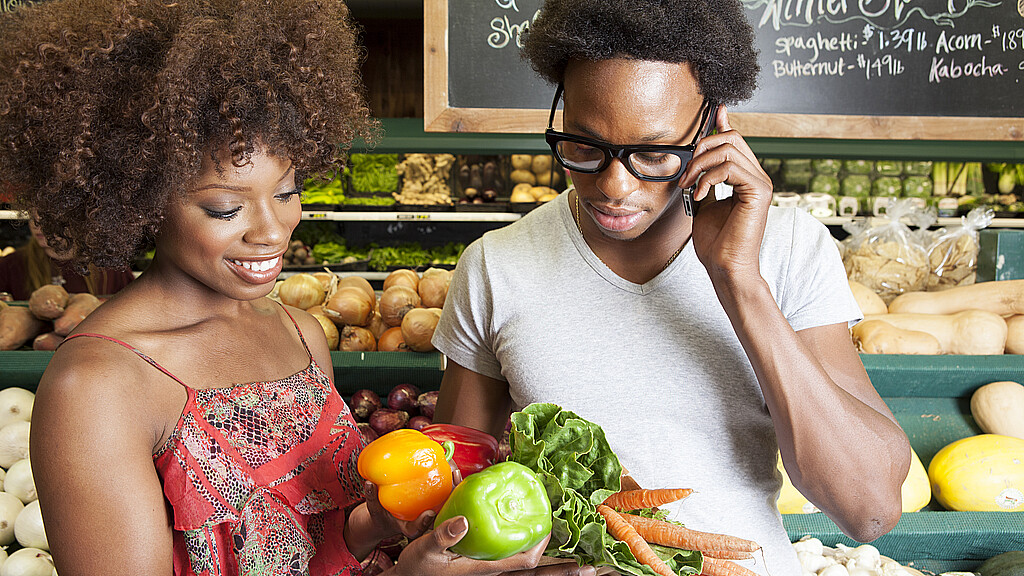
(639, 532)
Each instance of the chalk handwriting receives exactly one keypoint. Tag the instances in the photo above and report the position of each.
(884, 14)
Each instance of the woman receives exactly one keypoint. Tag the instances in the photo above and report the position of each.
(36, 264)
(190, 425)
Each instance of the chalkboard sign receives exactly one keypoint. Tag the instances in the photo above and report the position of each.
(886, 69)
(12, 5)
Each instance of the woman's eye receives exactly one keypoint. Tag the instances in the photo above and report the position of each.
(222, 215)
(287, 196)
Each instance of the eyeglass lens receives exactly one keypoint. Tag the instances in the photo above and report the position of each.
(585, 158)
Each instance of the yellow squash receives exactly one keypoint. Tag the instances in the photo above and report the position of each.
(980, 473)
(916, 491)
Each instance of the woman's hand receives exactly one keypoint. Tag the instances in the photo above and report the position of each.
(727, 234)
(388, 525)
(429, 556)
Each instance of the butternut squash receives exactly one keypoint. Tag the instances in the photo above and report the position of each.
(868, 300)
(1002, 297)
(980, 473)
(998, 408)
(967, 332)
(1015, 334)
(880, 337)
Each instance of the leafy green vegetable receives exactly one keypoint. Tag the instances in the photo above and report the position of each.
(370, 201)
(333, 253)
(411, 255)
(573, 460)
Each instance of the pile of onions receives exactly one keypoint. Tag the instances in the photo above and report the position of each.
(301, 291)
(405, 407)
(13, 443)
(351, 303)
(15, 405)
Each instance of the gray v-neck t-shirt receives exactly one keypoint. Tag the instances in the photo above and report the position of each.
(658, 366)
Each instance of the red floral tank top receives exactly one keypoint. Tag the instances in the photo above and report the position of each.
(260, 475)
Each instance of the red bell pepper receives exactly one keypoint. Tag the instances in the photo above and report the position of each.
(474, 450)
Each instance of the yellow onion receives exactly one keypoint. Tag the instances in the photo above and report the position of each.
(395, 302)
(436, 272)
(326, 279)
(433, 290)
(318, 309)
(377, 325)
(391, 341)
(361, 283)
(349, 306)
(402, 277)
(418, 328)
(356, 339)
(330, 330)
(302, 291)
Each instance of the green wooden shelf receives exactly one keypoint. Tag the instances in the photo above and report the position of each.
(407, 135)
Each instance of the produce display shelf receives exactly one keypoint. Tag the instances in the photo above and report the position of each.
(937, 541)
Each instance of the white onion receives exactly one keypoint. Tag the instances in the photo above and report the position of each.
(19, 481)
(28, 562)
(28, 527)
(13, 443)
(15, 405)
(10, 508)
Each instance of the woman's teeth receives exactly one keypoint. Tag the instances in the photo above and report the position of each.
(257, 266)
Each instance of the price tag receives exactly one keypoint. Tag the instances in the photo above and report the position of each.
(412, 216)
(315, 215)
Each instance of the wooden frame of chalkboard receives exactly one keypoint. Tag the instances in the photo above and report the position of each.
(452, 107)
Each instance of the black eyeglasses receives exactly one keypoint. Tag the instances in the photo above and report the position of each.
(653, 162)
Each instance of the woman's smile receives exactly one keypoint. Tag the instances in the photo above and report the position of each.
(258, 271)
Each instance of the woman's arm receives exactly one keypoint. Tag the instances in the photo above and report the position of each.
(92, 443)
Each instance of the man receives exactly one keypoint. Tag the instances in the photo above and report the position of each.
(701, 344)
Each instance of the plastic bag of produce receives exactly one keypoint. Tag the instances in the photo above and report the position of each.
(953, 253)
(923, 219)
(886, 257)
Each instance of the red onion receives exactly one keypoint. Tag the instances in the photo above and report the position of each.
(387, 420)
(418, 422)
(403, 397)
(363, 403)
(369, 434)
(426, 403)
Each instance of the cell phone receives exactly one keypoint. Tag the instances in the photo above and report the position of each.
(689, 206)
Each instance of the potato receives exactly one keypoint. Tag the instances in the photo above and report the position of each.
(521, 176)
(522, 196)
(541, 164)
(538, 191)
(521, 161)
(522, 187)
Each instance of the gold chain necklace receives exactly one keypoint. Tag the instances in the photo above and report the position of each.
(579, 227)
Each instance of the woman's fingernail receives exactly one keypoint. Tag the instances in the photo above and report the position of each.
(458, 526)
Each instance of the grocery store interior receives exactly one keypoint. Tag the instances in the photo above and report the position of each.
(418, 198)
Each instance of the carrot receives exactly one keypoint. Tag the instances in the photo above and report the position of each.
(676, 536)
(621, 530)
(715, 567)
(727, 554)
(649, 498)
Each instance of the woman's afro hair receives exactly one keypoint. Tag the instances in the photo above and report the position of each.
(107, 106)
(712, 35)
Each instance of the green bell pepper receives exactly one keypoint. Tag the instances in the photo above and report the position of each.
(507, 508)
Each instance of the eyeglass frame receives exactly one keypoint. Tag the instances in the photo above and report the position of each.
(611, 151)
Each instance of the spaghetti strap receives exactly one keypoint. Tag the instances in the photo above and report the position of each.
(297, 329)
(152, 362)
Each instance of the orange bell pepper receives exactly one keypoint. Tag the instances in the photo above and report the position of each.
(410, 470)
